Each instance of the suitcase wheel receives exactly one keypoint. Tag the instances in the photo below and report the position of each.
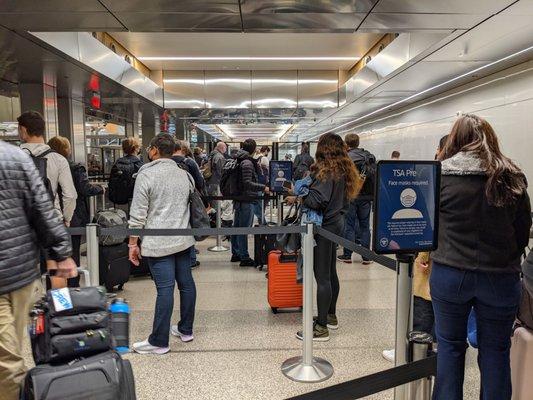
(274, 310)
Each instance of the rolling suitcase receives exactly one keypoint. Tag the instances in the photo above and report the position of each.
(522, 363)
(115, 266)
(105, 376)
(283, 290)
(263, 245)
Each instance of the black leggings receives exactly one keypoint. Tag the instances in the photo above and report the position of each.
(325, 267)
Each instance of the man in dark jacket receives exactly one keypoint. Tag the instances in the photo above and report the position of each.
(357, 225)
(244, 214)
(303, 162)
(216, 162)
(28, 221)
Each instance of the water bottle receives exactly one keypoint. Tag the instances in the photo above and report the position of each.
(120, 325)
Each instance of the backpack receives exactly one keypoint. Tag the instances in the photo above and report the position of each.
(207, 170)
(230, 182)
(121, 181)
(367, 175)
(302, 168)
(41, 163)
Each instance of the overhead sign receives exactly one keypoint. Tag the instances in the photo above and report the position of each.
(406, 210)
(280, 172)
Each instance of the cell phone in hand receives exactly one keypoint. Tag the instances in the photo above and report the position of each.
(287, 185)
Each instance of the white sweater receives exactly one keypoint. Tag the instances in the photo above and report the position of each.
(161, 201)
(59, 175)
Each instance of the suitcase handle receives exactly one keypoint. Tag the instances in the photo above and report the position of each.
(288, 258)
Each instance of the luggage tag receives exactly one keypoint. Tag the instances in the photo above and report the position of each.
(62, 299)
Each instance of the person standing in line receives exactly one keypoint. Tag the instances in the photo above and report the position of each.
(244, 215)
(357, 227)
(261, 158)
(395, 155)
(216, 163)
(84, 190)
(122, 176)
(28, 221)
(334, 185)
(58, 177)
(485, 218)
(302, 163)
(161, 201)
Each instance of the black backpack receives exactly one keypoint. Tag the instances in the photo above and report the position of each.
(303, 167)
(367, 171)
(230, 182)
(41, 163)
(121, 181)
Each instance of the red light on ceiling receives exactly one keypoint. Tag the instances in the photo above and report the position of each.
(95, 101)
(94, 83)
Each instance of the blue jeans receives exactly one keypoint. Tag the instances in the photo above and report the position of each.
(165, 271)
(495, 299)
(193, 256)
(258, 207)
(357, 226)
(244, 217)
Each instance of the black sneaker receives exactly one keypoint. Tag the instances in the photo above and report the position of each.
(345, 259)
(333, 322)
(196, 265)
(247, 262)
(235, 258)
(320, 333)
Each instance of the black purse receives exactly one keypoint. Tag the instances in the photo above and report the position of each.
(290, 242)
(198, 214)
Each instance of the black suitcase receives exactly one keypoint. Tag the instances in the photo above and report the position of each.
(105, 376)
(115, 266)
(263, 244)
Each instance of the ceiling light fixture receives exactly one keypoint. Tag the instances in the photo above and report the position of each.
(252, 80)
(178, 58)
(418, 94)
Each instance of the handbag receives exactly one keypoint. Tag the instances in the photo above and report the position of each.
(290, 242)
(198, 214)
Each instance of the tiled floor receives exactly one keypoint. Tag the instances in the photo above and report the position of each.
(240, 345)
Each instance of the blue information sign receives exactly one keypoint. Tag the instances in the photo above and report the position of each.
(280, 172)
(407, 206)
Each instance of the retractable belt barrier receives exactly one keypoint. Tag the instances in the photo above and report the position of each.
(363, 251)
(375, 383)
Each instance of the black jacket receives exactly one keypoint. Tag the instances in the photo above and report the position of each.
(329, 198)
(473, 235)
(249, 174)
(28, 221)
(85, 190)
(189, 165)
(364, 159)
(302, 164)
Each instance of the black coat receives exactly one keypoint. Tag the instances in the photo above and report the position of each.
(249, 175)
(28, 221)
(474, 235)
(84, 189)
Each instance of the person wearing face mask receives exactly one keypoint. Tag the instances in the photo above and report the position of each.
(161, 201)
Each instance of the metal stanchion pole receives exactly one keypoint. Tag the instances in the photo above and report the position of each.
(404, 320)
(280, 209)
(420, 344)
(218, 247)
(307, 368)
(92, 254)
(92, 207)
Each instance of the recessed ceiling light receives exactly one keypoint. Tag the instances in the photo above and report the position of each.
(161, 58)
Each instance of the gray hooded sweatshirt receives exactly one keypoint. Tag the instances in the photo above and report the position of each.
(161, 201)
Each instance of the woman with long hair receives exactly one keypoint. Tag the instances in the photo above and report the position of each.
(485, 217)
(334, 186)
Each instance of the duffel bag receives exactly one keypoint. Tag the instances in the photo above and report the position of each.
(109, 219)
(72, 301)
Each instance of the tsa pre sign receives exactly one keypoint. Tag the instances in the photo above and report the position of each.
(407, 206)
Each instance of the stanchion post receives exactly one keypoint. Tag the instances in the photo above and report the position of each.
(420, 344)
(92, 207)
(280, 209)
(218, 247)
(307, 368)
(92, 254)
(404, 318)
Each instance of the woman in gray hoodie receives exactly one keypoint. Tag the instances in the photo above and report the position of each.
(161, 201)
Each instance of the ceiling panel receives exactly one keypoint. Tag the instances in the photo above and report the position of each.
(306, 6)
(70, 21)
(320, 94)
(274, 89)
(399, 22)
(184, 89)
(300, 22)
(187, 6)
(441, 7)
(231, 89)
(32, 6)
(156, 21)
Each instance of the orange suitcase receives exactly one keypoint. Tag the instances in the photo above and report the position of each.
(522, 363)
(283, 291)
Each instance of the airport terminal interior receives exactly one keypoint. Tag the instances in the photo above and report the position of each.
(282, 72)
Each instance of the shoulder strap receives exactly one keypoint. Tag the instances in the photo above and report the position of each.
(44, 154)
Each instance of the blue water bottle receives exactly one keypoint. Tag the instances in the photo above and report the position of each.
(120, 325)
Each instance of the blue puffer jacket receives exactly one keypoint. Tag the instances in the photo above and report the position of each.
(28, 221)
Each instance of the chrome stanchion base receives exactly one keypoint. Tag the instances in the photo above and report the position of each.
(319, 370)
(218, 249)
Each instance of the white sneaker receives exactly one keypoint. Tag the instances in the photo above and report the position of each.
(184, 338)
(146, 348)
(389, 355)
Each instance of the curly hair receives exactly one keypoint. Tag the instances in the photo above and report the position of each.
(332, 162)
